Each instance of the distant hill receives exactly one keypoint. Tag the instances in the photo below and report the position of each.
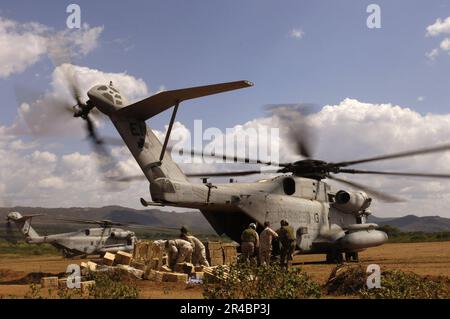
(149, 217)
(411, 223)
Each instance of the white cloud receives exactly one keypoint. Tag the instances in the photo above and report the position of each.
(439, 27)
(50, 114)
(445, 44)
(25, 44)
(432, 55)
(297, 33)
(420, 98)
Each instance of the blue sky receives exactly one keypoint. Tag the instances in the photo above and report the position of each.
(188, 43)
(338, 61)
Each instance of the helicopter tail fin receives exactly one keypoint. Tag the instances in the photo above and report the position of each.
(23, 223)
(143, 143)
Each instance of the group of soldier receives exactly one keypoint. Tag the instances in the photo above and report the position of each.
(188, 248)
(260, 245)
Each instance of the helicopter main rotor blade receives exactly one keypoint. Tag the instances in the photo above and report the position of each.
(436, 149)
(225, 174)
(293, 119)
(373, 192)
(359, 171)
(224, 157)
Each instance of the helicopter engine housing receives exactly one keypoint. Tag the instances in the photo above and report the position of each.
(352, 202)
(120, 234)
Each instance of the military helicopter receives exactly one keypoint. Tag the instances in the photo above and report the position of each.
(327, 220)
(89, 241)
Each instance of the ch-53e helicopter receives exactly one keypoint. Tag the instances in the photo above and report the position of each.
(89, 241)
(326, 220)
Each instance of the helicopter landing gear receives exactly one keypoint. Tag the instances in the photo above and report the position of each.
(335, 257)
(352, 257)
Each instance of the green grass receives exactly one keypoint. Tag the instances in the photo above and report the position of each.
(21, 248)
(397, 236)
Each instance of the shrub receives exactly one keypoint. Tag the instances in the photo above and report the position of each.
(244, 280)
(395, 284)
(116, 284)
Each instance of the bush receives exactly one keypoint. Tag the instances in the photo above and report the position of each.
(115, 284)
(395, 284)
(248, 281)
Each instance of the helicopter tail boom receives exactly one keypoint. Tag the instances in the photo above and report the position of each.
(23, 223)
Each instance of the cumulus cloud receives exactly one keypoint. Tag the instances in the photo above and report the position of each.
(50, 114)
(24, 44)
(438, 27)
(297, 33)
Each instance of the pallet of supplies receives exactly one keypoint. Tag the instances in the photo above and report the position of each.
(108, 259)
(123, 258)
(49, 282)
(229, 254)
(214, 253)
(175, 277)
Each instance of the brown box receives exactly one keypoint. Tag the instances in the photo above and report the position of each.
(155, 263)
(213, 245)
(108, 259)
(85, 285)
(216, 261)
(138, 265)
(175, 277)
(49, 282)
(91, 266)
(123, 258)
(165, 269)
(159, 275)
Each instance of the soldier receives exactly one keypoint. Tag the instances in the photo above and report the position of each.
(250, 242)
(199, 250)
(265, 246)
(178, 251)
(287, 241)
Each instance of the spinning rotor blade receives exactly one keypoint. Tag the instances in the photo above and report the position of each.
(91, 222)
(359, 171)
(224, 157)
(292, 116)
(225, 174)
(370, 191)
(436, 149)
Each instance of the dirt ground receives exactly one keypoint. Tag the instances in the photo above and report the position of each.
(421, 258)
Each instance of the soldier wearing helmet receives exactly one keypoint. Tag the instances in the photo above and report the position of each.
(286, 237)
(250, 242)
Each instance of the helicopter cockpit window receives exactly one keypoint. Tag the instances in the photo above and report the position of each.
(102, 88)
(87, 232)
(289, 186)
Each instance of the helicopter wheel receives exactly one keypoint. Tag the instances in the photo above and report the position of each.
(335, 257)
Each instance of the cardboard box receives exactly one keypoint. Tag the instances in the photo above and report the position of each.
(91, 266)
(138, 265)
(175, 277)
(108, 259)
(165, 269)
(213, 245)
(49, 282)
(123, 258)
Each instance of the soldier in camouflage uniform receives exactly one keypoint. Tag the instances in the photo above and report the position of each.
(199, 250)
(286, 237)
(250, 242)
(178, 251)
